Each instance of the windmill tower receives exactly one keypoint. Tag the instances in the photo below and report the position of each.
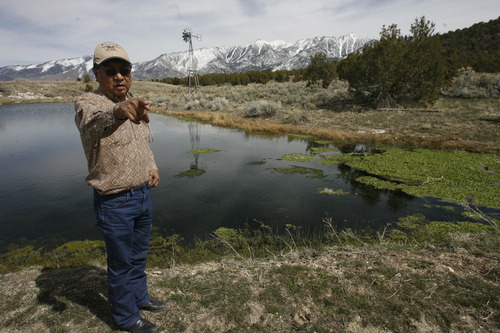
(192, 64)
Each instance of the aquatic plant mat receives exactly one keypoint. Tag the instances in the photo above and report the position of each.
(454, 176)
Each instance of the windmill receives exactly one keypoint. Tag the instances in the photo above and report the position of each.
(188, 36)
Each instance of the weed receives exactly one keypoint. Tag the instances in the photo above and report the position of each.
(191, 173)
(203, 151)
(261, 109)
(298, 157)
(219, 104)
(329, 191)
(469, 84)
(320, 150)
(316, 173)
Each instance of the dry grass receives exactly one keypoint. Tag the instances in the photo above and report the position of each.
(378, 288)
(262, 125)
(451, 123)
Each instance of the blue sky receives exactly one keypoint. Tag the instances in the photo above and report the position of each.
(36, 31)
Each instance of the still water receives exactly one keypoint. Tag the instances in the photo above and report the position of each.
(43, 195)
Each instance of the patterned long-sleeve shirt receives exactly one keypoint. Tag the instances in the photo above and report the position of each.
(118, 152)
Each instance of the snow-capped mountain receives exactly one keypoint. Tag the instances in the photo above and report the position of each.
(64, 69)
(260, 55)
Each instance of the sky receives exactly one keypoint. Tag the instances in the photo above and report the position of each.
(37, 31)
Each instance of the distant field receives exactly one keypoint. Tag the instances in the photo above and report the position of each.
(455, 123)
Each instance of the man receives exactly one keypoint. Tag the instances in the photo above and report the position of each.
(115, 134)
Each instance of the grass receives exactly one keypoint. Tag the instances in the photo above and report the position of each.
(448, 283)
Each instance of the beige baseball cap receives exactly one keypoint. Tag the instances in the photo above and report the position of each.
(109, 50)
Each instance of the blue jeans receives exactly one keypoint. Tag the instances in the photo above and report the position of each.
(125, 220)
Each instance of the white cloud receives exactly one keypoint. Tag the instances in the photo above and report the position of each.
(35, 31)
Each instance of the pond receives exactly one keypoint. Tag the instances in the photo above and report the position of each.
(43, 195)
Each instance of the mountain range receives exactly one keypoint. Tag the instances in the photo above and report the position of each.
(260, 55)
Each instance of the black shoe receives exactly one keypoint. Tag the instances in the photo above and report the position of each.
(142, 326)
(153, 305)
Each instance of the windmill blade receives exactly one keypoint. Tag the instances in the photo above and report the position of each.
(186, 34)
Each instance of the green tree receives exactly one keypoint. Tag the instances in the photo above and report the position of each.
(477, 46)
(398, 70)
(426, 62)
(281, 76)
(320, 69)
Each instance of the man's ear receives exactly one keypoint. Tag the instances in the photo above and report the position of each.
(96, 73)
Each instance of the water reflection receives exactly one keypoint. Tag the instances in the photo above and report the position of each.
(194, 135)
(43, 195)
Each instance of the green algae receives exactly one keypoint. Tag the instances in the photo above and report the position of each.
(202, 151)
(334, 159)
(454, 176)
(320, 150)
(323, 142)
(294, 169)
(257, 162)
(450, 209)
(298, 157)
(330, 191)
(191, 173)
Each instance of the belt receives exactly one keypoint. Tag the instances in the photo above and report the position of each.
(131, 191)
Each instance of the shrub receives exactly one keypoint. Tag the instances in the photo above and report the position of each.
(294, 116)
(161, 101)
(469, 84)
(261, 108)
(194, 105)
(219, 104)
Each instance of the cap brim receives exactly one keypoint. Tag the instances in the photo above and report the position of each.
(112, 58)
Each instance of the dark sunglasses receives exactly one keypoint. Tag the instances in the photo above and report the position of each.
(113, 71)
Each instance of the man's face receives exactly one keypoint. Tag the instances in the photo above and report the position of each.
(114, 77)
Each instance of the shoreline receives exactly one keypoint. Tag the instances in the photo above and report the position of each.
(450, 123)
(271, 126)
